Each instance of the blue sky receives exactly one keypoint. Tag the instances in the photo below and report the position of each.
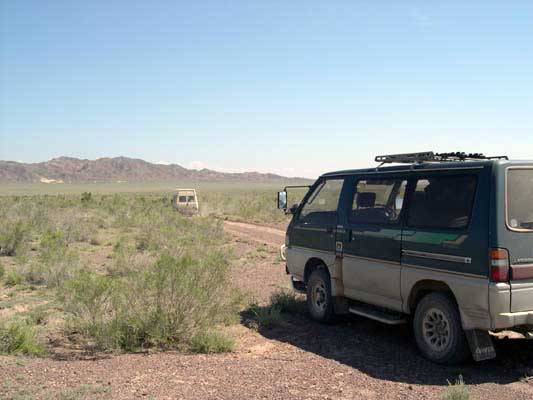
(294, 87)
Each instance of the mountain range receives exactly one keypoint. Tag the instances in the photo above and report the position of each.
(118, 169)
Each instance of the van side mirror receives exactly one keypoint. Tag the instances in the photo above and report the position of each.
(282, 200)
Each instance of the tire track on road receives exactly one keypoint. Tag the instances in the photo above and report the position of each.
(257, 233)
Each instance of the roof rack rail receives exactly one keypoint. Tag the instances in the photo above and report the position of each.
(429, 156)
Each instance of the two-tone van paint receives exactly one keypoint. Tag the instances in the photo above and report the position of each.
(447, 246)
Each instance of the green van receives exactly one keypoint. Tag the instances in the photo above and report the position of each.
(444, 241)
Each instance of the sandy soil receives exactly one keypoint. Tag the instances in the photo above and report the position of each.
(353, 359)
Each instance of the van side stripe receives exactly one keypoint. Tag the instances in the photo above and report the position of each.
(437, 256)
(443, 271)
(375, 260)
(308, 228)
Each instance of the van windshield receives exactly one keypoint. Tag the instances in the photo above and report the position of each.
(519, 199)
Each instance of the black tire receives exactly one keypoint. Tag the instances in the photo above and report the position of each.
(319, 299)
(438, 332)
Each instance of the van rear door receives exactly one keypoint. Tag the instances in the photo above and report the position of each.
(519, 235)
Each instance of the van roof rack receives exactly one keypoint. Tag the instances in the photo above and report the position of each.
(429, 156)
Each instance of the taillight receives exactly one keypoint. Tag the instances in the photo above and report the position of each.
(499, 265)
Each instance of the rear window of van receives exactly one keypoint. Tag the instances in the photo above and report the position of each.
(520, 199)
(442, 202)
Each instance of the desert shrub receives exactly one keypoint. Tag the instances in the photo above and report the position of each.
(457, 391)
(142, 242)
(286, 301)
(77, 224)
(163, 230)
(90, 299)
(12, 237)
(13, 278)
(52, 242)
(122, 258)
(19, 337)
(212, 342)
(266, 317)
(38, 315)
(258, 205)
(174, 300)
(2, 270)
(86, 197)
(55, 262)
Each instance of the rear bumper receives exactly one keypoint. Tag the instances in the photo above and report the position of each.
(510, 320)
(511, 305)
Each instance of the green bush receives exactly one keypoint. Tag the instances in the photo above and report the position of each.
(165, 306)
(121, 258)
(286, 301)
(212, 342)
(52, 243)
(13, 278)
(12, 237)
(266, 317)
(38, 315)
(2, 270)
(55, 262)
(86, 197)
(19, 338)
(90, 298)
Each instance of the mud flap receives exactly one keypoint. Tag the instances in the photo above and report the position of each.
(340, 305)
(480, 344)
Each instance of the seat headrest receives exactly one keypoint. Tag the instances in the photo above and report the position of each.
(366, 200)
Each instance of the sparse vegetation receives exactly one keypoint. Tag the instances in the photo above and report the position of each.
(55, 262)
(174, 300)
(13, 278)
(12, 236)
(86, 197)
(286, 301)
(457, 391)
(177, 267)
(19, 338)
(212, 342)
(265, 316)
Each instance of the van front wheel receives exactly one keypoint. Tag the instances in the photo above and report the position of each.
(319, 300)
(438, 331)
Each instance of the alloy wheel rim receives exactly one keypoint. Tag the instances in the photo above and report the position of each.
(436, 330)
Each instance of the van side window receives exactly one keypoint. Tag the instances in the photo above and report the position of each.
(322, 205)
(442, 202)
(378, 201)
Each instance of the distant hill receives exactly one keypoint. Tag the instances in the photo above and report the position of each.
(118, 169)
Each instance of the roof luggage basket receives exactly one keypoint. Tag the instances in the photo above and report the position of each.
(429, 156)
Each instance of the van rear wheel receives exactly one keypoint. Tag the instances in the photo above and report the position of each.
(438, 332)
(319, 299)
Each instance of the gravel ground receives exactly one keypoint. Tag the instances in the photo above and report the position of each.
(353, 359)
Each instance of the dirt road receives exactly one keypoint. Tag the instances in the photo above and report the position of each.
(353, 359)
(256, 233)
